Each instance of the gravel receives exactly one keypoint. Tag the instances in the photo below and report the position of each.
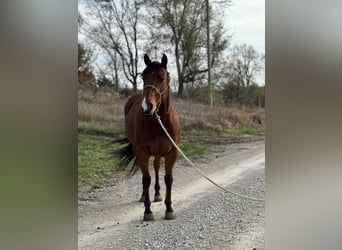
(111, 218)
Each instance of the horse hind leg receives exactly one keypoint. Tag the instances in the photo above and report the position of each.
(169, 163)
(142, 198)
(157, 196)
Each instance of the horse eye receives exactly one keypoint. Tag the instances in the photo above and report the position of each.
(162, 79)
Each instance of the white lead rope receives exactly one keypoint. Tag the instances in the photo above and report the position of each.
(198, 170)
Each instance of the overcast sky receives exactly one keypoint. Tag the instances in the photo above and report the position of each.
(246, 20)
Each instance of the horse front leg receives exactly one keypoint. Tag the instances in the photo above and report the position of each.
(157, 196)
(169, 163)
(146, 181)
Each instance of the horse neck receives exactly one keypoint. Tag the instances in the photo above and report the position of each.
(164, 106)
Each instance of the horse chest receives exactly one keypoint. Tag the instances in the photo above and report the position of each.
(159, 146)
(145, 133)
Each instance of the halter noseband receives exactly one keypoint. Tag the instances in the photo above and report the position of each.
(159, 93)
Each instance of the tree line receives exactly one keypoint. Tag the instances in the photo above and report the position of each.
(117, 34)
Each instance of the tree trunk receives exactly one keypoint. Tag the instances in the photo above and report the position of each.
(180, 78)
(135, 84)
(180, 88)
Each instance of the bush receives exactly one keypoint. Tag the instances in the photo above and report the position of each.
(252, 95)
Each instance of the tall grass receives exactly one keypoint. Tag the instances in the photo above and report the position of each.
(219, 118)
(106, 109)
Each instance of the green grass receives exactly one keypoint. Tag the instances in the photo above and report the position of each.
(234, 132)
(96, 160)
(95, 157)
(201, 133)
(192, 150)
(99, 130)
(247, 131)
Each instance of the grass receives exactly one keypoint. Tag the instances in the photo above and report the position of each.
(259, 130)
(193, 150)
(94, 157)
(99, 130)
(238, 132)
(201, 133)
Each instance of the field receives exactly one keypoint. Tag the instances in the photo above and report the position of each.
(204, 129)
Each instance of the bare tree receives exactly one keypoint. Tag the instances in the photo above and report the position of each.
(110, 68)
(113, 26)
(86, 76)
(183, 24)
(240, 71)
(246, 64)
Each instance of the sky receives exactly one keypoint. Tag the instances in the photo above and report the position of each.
(246, 21)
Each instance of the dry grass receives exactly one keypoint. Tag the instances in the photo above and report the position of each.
(218, 118)
(106, 109)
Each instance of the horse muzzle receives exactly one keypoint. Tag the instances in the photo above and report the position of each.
(148, 111)
(147, 108)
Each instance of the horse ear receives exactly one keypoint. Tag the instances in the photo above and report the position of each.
(147, 60)
(164, 61)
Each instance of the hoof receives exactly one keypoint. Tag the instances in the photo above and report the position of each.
(169, 215)
(158, 198)
(142, 198)
(148, 217)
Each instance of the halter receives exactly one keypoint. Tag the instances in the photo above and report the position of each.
(160, 95)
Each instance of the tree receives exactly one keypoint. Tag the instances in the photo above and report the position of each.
(104, 81)
(239, 74)
(114, 28)
(183, 24)
(108, 70)
(85, 72)
(246, 64)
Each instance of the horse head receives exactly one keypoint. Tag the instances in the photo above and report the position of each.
(156, 85)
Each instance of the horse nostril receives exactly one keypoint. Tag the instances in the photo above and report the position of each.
(149, 108)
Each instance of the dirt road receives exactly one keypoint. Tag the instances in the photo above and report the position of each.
(206, 218)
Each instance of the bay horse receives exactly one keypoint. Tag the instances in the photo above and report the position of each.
(145, 136)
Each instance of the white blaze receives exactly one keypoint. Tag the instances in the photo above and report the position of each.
(144, 105)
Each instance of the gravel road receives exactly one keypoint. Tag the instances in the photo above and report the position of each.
(206, 218)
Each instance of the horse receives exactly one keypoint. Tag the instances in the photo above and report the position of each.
(145, 136)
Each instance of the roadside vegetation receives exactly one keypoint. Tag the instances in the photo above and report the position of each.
(101, 121)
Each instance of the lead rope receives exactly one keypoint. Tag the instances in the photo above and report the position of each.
(198, 170)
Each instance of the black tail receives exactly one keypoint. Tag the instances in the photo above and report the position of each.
(125, 155)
